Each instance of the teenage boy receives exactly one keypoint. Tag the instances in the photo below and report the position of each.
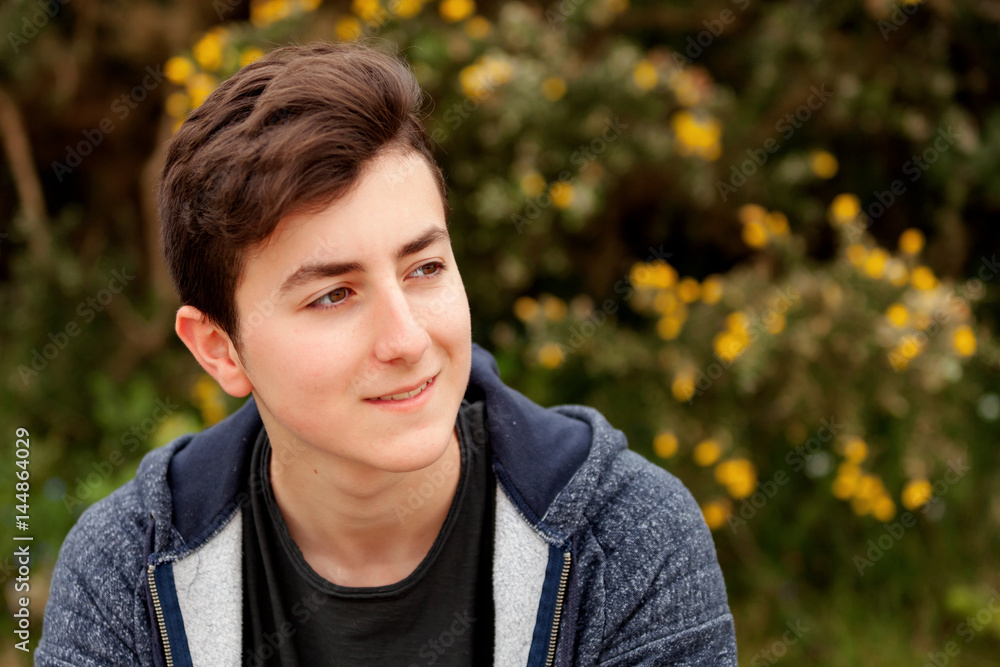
(383, 498)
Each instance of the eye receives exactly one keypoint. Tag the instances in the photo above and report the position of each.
(429, 269)
(331, 299)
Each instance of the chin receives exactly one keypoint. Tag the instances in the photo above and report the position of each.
(415, 451)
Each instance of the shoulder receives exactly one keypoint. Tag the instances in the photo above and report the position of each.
(649, 572)
(646, 517)
(96, 585)
(617, 490)
(108, 540)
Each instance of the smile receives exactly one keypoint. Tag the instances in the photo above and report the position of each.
(406, 394)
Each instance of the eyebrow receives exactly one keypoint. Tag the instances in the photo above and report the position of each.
(309, 272)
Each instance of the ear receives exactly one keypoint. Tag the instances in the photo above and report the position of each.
(213, 349)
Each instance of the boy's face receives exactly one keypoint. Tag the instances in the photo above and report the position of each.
(367, 303)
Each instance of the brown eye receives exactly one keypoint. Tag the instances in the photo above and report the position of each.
(332, 298)
(428, 269)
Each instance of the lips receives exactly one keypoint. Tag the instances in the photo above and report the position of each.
(405, 394)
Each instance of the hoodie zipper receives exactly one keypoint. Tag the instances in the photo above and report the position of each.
(159, 617)
(563, 578)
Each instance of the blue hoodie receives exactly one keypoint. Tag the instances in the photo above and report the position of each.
(600, 557)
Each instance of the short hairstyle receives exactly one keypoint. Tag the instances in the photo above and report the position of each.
(289, 133)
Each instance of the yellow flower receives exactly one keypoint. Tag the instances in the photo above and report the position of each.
(716, 512)
(553, 88)
(869, 487)
(526, 308)
(855, 450)
(754, 235)
(550, 356)
(472, 78)
(706, 452)
(823, 164)
(666, 302)
(683, 386)
(848, 478)
(453, 11)
(964, 341)
(688, 290)
(656, 274)
(368, 11)
(725, 471)
(751, 213)
(845, 487)
(898, 314)
(199, 87)
(250, 54)
(883, 508)
(923, 278)
(728, 346)
(406, 9)
(916, 493)
(478, 27)
(207, 396)
(875, 262)
(348, 29)
(644, 75)
(208, 51)
(668, 327)
(776, 223)
(665, 444)
(532, 184)
(554, 308)
(711, 290)
(177, 105)
(737, 322)
(266, 12)
(856, 254)
(697, 135)
(481, 77)
(911, 241)
(897, 360)
(498, 69)
(738, 475)
(562, 194)
(844, 208)
(178, 69)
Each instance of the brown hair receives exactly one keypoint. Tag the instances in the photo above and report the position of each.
(288, 133)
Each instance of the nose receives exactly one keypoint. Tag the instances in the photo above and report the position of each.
(400, 333)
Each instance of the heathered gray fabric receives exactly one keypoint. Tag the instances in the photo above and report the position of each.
(646, 588)
(651, 591)
(96, 613)
(519, 560)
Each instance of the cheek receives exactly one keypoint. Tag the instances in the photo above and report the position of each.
(446, 314)
(296, 359)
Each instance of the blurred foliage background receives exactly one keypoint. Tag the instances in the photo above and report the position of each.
(759, 236)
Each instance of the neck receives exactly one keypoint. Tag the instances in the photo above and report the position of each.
(359, 526)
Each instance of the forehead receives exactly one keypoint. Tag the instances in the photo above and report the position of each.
(395, 199)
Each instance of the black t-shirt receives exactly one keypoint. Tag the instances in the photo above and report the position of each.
(441, 614)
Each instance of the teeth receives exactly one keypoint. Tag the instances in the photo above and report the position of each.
(406, 394)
